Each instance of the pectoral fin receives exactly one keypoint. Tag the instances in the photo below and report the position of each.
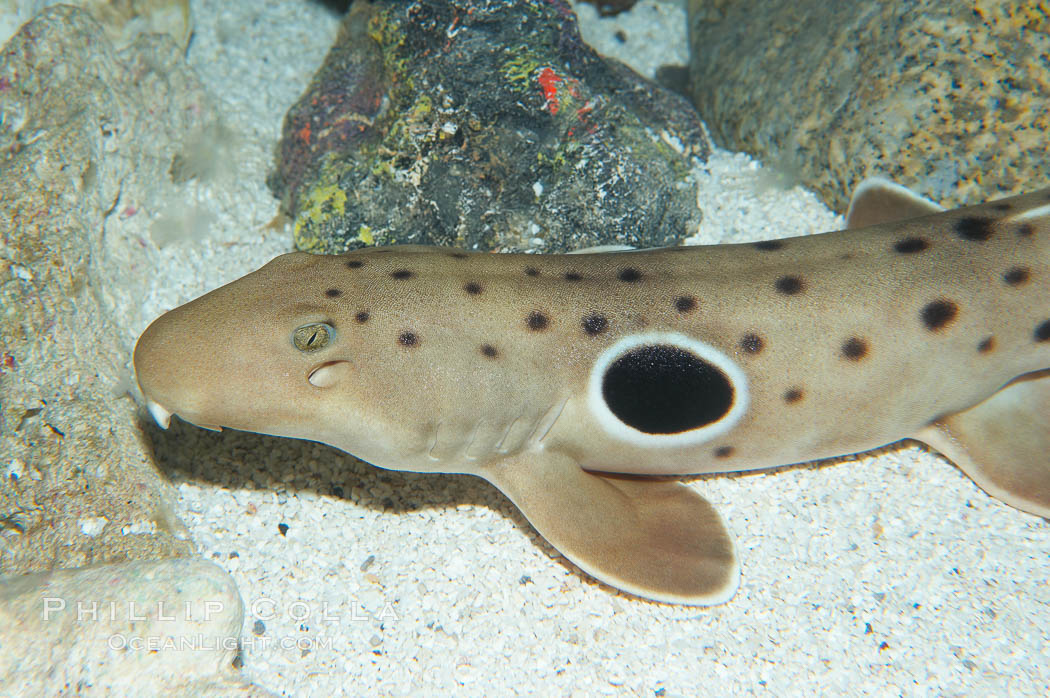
(1003, 443)
(654, 538)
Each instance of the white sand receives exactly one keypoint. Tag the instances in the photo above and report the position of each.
(882, 575)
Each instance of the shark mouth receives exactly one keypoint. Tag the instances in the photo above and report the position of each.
(162, 416)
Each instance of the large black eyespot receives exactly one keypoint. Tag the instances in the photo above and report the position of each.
(664, 389)
(312, 337)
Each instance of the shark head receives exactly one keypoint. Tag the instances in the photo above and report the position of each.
(255, 355)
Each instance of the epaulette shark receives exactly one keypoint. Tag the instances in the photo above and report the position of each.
(576, 383)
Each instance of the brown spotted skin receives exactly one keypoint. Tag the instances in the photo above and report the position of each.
(451, 361)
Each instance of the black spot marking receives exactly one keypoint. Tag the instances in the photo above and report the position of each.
(401, 274)
(793, 395)
(573, 276)
(354, 264)
(333, 293)
(629, 274)
(1026, 230)
(1002, 207)
(662, 389)
(938, 314)
(595, 324)
(1016, 276)
(752, 343)
(362, 317)
(790, 285)
(472, 287)
(768, 245)
(987, 344)
(1042, 332)
(537, 321)
(854, 348)
(408, 339)
(723, 451)
(685, 304)
(532, 271)
(458, 255)
(910, 245)
(974, 228)
(489, 351)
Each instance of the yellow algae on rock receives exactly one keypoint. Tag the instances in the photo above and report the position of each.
(320, 205)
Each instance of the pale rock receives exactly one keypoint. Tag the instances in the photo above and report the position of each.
(168, 627)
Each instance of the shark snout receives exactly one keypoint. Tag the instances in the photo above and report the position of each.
(181, 361)
(161, 358)
(228, 359)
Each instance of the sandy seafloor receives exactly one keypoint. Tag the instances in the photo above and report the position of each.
(885, 574)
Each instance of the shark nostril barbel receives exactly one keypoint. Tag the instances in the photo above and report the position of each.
(160, 415)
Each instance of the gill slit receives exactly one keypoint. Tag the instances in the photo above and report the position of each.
(433, 442)
(547, 421)
(498, 448)
(471, 439)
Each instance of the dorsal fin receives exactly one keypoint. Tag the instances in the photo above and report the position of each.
(598, 249)
(878, 200)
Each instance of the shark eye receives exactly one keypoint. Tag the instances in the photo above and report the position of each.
(312, 337)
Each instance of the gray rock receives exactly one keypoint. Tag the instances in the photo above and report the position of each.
(89, 137)
(122, 20)
(486, 125)
(86, 135)
(948, 97)
(135, 628)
